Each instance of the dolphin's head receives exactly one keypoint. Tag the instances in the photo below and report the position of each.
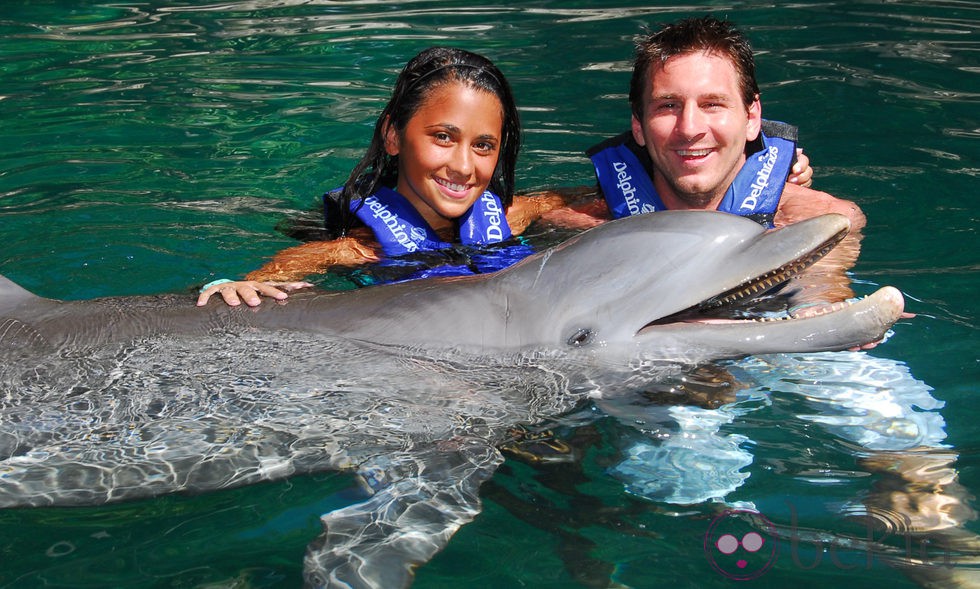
(654, 280)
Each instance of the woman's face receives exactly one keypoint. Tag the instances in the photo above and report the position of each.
(448, 151)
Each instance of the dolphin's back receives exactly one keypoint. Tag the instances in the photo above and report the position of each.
(11, 293)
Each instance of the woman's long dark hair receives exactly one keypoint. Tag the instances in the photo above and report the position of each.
(429, 69)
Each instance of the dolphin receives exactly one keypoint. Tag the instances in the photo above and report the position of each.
(411, 385)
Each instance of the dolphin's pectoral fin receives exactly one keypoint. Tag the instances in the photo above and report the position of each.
(17, 334)
(379, 543)
(20, 343)
(25, 354)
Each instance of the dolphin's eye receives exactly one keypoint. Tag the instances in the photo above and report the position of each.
(581, 337)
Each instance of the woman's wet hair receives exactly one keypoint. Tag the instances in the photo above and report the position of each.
(430, 69)
(707, 34)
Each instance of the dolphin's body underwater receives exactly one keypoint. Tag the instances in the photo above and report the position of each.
(411, 384)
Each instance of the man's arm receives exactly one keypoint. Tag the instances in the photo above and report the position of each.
(826, 281)
(799, 203)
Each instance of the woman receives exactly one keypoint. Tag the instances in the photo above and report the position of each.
(439, 170)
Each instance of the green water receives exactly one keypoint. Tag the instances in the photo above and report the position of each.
(151, 146)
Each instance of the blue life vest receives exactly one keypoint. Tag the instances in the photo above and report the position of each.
(624, 171)
(401, 230)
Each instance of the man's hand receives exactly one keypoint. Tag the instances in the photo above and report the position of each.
(801, 173)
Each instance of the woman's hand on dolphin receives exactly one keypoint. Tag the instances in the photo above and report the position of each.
(801, 173)
(249, 291)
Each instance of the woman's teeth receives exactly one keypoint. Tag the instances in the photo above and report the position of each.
(451, 185)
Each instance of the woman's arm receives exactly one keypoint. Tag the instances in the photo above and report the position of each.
(296, 262)
(577, 207)
(283, 272)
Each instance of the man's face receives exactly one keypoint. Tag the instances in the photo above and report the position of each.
(695, 127)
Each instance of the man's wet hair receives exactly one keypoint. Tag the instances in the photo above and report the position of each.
(692, 35)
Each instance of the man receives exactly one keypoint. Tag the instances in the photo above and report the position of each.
(696, 139)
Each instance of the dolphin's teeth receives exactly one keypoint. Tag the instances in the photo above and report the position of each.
(768, 280)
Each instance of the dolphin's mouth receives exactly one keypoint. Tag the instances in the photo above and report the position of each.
(744, 301)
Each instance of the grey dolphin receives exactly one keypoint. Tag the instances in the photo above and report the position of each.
(411, 384)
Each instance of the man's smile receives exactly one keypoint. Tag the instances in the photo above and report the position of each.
(692, 152)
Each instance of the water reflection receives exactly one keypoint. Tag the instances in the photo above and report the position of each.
(874, 419)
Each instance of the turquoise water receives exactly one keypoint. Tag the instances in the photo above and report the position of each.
(148, 147)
